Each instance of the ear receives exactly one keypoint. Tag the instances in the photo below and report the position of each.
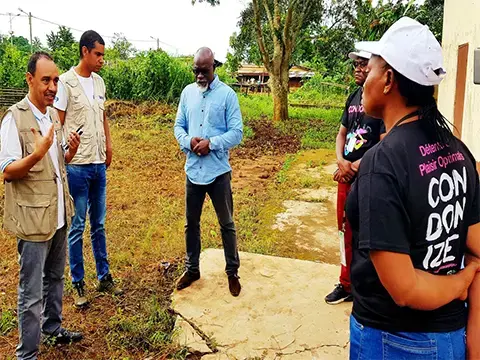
(389, 81)
(84, 51)
(29, 78)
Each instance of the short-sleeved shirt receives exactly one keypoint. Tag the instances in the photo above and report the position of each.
(363, 131)
(414, 196)
(11, 150)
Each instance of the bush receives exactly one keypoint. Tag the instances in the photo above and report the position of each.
(225, 76)
(13, 68)
(152, 75)
(321, 91)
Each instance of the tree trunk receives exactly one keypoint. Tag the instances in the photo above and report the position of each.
(279, 85)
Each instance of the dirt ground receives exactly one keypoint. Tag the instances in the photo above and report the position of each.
(145, 220)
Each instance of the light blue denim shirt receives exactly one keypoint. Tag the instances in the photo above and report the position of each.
(214, 115)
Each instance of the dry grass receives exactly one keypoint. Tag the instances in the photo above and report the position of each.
(145, 226)
(145, 229)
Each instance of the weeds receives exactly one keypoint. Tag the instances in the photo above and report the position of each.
(8, 322)
(149, 329)
(145, 223)
(282, 175)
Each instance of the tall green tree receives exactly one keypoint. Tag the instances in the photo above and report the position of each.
(63, 38)
(276, 26)
(13, 66)
(121, 47)
(431, 14)
(37, 44)
(63, 48)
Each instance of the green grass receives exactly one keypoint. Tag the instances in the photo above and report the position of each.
(318, 97)
(259, 106)
(7, 322)
(145, 225)
(150, 329)
(282, 174)
(248, 133)
(315, 127)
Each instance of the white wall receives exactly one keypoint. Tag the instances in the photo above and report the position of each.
(461, 25)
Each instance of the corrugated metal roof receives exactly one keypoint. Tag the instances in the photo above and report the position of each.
(255, 70)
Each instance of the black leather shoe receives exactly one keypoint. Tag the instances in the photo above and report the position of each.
(187, 279)
(234, 285)
(63, 337)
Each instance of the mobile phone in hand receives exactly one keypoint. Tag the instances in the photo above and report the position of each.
(79, 132)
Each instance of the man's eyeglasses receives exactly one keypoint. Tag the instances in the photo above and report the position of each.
(360, 64)
(198, 71)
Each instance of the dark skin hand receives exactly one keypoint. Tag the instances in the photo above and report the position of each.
(194, 142)
(337, 176)
(202, 147)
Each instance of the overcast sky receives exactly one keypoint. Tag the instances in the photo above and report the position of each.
(174, 22)
(181, 27)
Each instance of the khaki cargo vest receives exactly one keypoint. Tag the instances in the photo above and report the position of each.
(31, 204)
(80, 112)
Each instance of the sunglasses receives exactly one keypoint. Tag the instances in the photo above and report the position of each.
(360, 64)
(198, 71)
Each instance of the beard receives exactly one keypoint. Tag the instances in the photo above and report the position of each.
(202, 88)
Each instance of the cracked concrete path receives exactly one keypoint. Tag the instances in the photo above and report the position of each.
(280, 313)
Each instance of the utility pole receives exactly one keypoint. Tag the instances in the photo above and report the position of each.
(158, 42)
(170, 46)
(29, 14)
(11, 17)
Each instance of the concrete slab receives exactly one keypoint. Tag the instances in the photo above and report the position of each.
(186, 335)
(279, 314)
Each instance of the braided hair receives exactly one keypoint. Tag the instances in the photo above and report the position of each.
(434, 123)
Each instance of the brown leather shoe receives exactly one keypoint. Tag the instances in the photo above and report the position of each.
(187, 279)
(234, 285)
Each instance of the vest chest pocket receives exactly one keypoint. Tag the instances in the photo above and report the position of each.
(85, 149)
(78, 110)
(32, 214)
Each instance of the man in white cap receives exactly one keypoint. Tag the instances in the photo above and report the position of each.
(358, 133)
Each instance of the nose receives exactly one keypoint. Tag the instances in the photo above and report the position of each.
(52, 86)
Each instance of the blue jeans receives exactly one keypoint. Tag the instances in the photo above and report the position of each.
(371, 344)
(88, 187)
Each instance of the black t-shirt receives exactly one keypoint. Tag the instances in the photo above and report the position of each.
(416, 197)
(363, 130)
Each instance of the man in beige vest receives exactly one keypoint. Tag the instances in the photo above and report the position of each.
(38, 207)
(80, 103)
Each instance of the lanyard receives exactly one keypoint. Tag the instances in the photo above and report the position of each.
(406, 117)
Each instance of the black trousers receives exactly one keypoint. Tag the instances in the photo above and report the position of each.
(220, 192)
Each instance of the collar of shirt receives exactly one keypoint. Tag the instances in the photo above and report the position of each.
(214, 83)
(37, 113)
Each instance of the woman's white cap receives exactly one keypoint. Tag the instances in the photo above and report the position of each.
(355, 55)
(411, 49)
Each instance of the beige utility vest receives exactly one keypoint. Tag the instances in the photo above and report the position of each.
(31, 203)
(81, 113)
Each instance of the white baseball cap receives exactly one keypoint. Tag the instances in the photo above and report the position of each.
(354, 55)
(411, 49)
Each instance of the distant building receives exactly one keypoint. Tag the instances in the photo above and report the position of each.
(458, 96)
(254, 74)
